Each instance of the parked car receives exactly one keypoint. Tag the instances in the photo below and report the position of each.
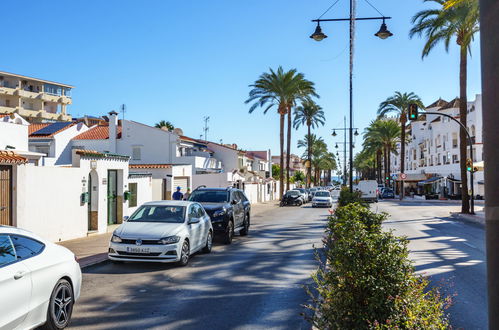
(292, 197)
(369, 190)
(322, 198)
(387, 193)
(228, 208)
(163, 231)
(309, 194)
(39, 281)
(304, 194)
(313, 191)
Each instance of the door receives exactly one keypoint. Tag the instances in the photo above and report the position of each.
(89, 204)
(182, 182)
(238, 209)
(195, 229)
(112, 197)
(15, 283)
(6, 195)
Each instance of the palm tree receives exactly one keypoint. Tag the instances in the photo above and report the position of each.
(327, 163)
(399, 104)
(165, 124)
(280, 89)
(311, 115)
(318, 148)
(454, 19)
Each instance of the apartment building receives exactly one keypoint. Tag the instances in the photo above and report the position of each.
(34, 99)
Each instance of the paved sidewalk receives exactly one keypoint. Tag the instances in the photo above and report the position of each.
(92, 250)
(478, 217)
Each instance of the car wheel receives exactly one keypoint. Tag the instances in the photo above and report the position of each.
(184, 254)
(246, 225)
(209, 243)
(229, 233)
(60, 306)
(300, 203)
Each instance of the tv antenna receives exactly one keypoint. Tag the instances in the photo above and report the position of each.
(206, 119)
(123, 110)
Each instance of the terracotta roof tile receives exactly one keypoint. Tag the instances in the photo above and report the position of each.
(32, 128)
(98, 154)
(452, 104)
(438, 104)
(100, 132)
(10, 157)
(435, 120)
(150, 166)
(47, 135)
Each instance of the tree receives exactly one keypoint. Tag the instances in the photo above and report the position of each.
(276, 170)
(298, 177)
(327, 163)
(169, 126)
(399, 104)
(318, 147)
(280, 89)
(311, 115)
(459, 20)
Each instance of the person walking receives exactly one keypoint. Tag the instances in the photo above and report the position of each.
(178, 195)
(187, 194)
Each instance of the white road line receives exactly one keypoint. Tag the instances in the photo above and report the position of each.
(110, 308)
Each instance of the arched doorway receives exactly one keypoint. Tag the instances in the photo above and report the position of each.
(93, 201)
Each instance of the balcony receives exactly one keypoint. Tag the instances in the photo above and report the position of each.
(26, 94)
(202, 164)
(7, 91)
(50, 97)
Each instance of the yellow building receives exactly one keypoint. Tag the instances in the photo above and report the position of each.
(36, 100)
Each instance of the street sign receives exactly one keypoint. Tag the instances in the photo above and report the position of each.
(403, 176)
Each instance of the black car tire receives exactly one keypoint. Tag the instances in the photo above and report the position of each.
(62, 297)
(209, 242)
(246, 225)
(229, 233)
(184, 254)
(300, 203)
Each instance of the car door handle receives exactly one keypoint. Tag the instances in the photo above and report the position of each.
(19, 275)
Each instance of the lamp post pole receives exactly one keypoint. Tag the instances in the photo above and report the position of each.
(350, 149)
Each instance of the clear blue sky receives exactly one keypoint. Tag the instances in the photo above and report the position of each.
(182, 60)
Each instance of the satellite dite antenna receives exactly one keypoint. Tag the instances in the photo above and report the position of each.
(123, 110)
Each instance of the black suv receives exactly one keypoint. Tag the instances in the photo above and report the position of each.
(228, 208)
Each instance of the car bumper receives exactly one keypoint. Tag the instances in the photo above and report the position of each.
(144, 253)
(322, 204)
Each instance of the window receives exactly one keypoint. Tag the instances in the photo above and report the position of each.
(455, 160)
(242, 197)
(43, 149)
(454, 140)
(132, 202)
(193, 211)
(7, 253)
(199, 211)
(159, 213)
(136, 153)
(26, 247)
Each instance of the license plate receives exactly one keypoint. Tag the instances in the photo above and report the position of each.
(137, 250)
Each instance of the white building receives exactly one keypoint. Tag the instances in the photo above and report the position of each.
(432, 150)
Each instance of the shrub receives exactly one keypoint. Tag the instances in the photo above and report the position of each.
(367, 280)
(346, 197)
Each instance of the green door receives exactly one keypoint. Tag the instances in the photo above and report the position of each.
(89, 204)
(112, 194)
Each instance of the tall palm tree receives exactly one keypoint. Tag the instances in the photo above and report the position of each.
(311, 115)
(166, 124)
(458, 20)
(327, 163)
(318, 148)
(280, 89)
(399, 104)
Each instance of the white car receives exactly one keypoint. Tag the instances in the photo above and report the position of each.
(164, 231)
(39, 281)
(322, 198)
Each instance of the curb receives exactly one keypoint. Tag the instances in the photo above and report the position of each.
(468, 218)
(92, 260)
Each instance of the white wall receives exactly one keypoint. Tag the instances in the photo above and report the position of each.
(144, 191)
(228, 156)
(15, 135)
(63, 145)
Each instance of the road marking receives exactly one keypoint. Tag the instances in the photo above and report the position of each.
(470, 245)
(110, 308)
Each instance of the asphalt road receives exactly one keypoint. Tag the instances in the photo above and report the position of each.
(450, 252)
(255, 283)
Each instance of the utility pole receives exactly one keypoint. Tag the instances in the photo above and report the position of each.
(350, 149)
(489, 44)
(123, 110)
(206, 119)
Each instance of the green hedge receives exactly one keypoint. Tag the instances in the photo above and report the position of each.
(367, 280)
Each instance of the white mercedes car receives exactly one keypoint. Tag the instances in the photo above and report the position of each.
(322, 198)
(164, 231)
(39, 281)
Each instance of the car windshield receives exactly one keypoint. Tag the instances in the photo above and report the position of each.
(322, 194)
(209, 196)
(293, 193)
(159, 213)
(301, 190)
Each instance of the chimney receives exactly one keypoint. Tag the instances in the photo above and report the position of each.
(113, 128)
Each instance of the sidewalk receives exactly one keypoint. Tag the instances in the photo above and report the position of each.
(92, 250)
(478, 217)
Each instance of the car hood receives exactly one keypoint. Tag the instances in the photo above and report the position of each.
(148, 230)
(213, 206)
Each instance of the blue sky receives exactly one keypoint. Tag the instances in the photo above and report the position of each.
(182, 60)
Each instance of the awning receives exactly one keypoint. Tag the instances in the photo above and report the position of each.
(453, 180)
(430, 180)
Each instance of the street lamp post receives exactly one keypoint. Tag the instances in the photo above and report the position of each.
(318, 35)
(345, 129)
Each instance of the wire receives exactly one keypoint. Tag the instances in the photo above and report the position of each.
(324, 13)
(370, 4)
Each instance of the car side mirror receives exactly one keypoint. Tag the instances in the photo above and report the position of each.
(233, 202)
(125, 218)
(194, 220)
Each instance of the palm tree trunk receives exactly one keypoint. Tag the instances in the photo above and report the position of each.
(309, 158)
(288, 154)
(389, 152)
(385, 154)
(463, 107)
(281, 141)
(378, 160)
(403, 120)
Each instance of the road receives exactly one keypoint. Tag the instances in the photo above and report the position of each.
(255, 283)
(451, 252)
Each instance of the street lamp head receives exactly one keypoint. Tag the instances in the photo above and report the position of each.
(337, 154)
(336, 146)
(383, 32)
(356, 133)
(334, 133)
(318, 35)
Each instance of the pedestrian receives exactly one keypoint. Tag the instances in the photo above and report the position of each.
(178, 195)
(187, 194)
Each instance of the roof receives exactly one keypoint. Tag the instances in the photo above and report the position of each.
(10, 157)
(150, 166)
(438, 104)
(100, 132)
(435, 120)
(50, 129)
(98, 154)
(452, 104)
(258, 154)
(3, 73)
(170, 203)
(35, 127)
(430, 180)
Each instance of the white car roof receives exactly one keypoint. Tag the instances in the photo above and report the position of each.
(19, 231)
(170, 203)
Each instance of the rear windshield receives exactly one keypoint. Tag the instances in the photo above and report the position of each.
(152, 213)
(301, 190)
(207, 196)
(293, 193)
(322, 194)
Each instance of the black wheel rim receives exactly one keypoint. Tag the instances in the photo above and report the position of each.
(62, 305)
(230, 230)
(185, 252)
(209, 243)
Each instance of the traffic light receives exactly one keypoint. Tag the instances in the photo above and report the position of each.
(469, 165)
(413, 111)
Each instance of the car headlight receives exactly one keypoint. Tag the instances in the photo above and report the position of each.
(169, 240)
(219, 213)
(116, 239)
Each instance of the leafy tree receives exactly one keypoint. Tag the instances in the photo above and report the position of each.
(459, 20)
(165, 124)
(299, 176)
(276, 170)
